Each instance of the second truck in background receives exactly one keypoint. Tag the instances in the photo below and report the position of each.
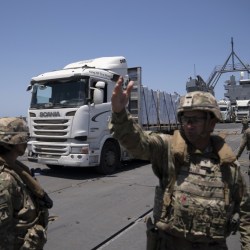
(242, 110)
(226, 110)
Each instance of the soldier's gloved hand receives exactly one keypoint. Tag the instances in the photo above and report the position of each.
(35, 238)
(46, 201)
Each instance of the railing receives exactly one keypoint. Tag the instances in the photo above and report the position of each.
(218, 70)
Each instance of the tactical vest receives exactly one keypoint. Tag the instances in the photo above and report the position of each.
(198, 203)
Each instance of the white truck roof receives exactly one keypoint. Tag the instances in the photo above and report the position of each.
(112, 65)
(224, 102)
(242, 102)
(117, 64)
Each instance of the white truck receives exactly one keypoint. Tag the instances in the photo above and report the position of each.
(226, 110)
(70, 110)
(242, 109)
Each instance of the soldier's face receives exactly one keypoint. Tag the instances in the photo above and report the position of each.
(196, 126)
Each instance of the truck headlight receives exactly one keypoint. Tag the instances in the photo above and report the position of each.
(80, 150)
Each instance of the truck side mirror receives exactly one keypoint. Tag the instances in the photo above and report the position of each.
(98, 96)
(29, 88)
(99, 92)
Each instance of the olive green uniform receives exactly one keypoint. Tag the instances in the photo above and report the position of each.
(244, 124)
(184, 174)
(245, 142)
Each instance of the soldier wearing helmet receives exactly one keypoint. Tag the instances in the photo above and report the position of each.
(245, 143)
(198, 113)
(201, 197)
(24, 204)
(244, 123)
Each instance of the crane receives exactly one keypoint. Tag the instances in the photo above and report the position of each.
(200, 84)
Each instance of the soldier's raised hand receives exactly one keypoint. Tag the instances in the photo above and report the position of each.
(120, 96)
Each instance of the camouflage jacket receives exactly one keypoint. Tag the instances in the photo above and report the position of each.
(155, 147)
(245, 142)
(23, 221)
(244, 123)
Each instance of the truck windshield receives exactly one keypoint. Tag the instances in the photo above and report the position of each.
(241, 108)
(54, 94)
(223, 108)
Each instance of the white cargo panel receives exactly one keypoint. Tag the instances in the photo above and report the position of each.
(153, 109)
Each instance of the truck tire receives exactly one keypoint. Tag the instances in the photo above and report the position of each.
(110, 158)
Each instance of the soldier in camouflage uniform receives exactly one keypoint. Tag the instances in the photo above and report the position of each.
(201, 197)
(23, 203)
(245, 142)
(244, 123)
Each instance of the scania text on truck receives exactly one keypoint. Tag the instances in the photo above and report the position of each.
(70, 110)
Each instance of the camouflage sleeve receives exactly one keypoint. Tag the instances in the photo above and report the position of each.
(244, 227)
(245, 223)
(141, 144)
(243, 144)
(6, 211)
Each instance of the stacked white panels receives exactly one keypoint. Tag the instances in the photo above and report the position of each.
(158, 107)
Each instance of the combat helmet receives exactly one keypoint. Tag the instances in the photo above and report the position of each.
(13, 131)
(199, 100)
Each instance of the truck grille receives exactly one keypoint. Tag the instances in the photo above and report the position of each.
(51, 128)
(50, 137)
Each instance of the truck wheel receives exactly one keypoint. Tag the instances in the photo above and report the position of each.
(110, 158)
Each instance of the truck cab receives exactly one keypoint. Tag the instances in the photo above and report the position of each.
(242, 109)
(69, 114)
(226, 110)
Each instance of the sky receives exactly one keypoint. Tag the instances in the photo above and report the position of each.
(170, 39)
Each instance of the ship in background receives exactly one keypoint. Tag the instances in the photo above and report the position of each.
(233, 91)
(240, 91)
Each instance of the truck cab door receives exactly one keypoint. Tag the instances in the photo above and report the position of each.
(100, 112)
